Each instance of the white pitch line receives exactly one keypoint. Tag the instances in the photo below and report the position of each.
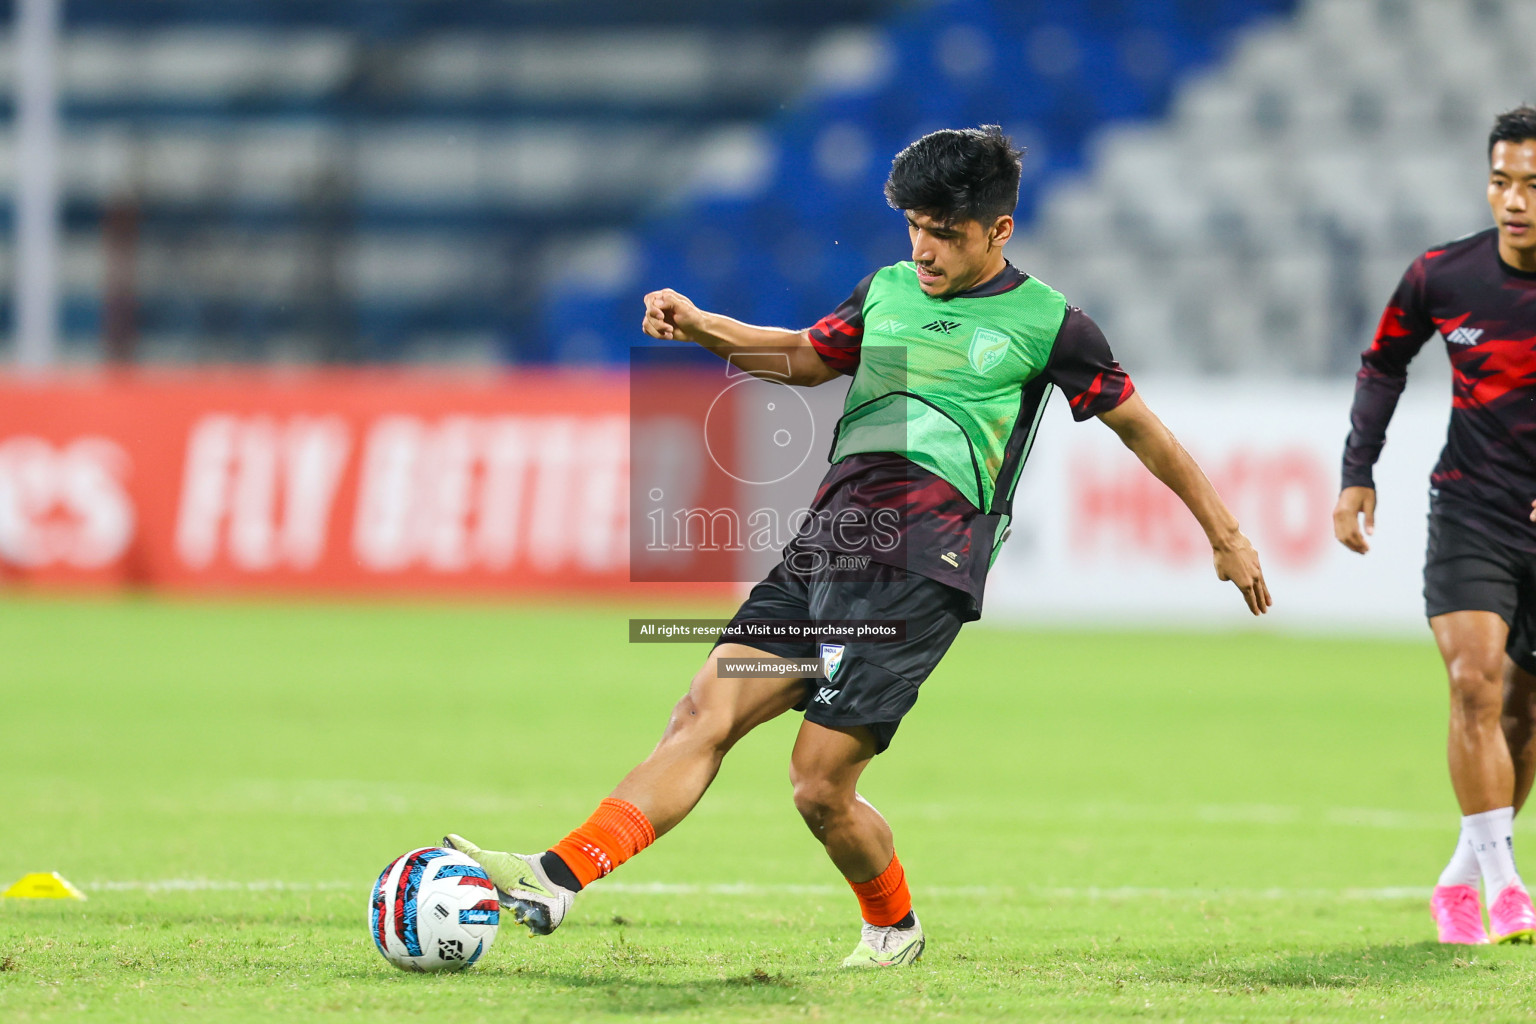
(1128, 892)
(211, 885)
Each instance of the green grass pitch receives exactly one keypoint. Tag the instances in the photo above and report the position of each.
(1095, 825)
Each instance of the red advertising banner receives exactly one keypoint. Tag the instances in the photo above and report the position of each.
(337, 480)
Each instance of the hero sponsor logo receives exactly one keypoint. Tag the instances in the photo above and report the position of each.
(1282, 495)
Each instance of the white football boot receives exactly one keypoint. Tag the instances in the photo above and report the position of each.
(521, 885)
(888, 947)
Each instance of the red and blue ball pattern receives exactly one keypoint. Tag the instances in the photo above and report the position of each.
(433, 909)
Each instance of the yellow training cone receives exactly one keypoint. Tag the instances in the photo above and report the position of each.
(43, 886)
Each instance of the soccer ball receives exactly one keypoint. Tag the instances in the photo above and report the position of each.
(433, 910)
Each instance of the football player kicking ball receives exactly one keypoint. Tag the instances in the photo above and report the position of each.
(963, 350)
(1479, 292)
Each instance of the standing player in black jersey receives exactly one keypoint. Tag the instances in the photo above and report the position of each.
(962, 352)
(1479, 293)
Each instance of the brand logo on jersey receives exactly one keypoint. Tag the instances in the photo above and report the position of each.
(825, 696)
(831, 657)
(949, 556)
(1464, 336)
(942, 326)
(889, 326)
(987, 349)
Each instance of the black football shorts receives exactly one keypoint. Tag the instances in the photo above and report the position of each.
(1466, 570)
(873, 684)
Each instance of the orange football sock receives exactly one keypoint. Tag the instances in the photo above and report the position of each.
(616, 832)
(884, 900)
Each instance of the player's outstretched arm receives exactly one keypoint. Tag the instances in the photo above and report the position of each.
(772, 353)
(1157, 448)
(1355, 502)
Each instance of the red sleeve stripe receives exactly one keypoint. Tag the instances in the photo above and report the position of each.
(1391, 326)
(843, 360)
(837, 342)
(829, 324)
(1126, 391)
(1085, 399)
(1083, 403)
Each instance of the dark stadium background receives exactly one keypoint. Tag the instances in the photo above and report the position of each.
(325, 452)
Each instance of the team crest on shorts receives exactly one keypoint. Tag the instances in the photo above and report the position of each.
(831, 657)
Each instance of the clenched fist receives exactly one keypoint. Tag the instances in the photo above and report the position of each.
(672, 316)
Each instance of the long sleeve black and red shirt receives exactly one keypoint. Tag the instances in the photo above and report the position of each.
(1486, 312)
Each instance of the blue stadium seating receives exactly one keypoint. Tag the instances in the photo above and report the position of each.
(1050, 72)
(781, 251)
(136, 75)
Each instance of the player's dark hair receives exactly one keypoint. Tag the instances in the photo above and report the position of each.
(957, 174)
(1516, 125)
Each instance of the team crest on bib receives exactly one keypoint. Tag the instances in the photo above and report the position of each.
(831, 657)
(987, 349)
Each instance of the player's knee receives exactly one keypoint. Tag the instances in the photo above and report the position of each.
(683, 712)
(1477, 686)
(819, 798)
(691, 723)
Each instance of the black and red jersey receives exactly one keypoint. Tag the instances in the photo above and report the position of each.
(1486, 312)
(932, 516)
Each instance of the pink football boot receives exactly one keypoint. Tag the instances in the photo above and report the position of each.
(1458, 913)
(1511, 918)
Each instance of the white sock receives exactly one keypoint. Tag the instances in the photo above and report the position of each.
(1492, 834)
(1463, 868)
